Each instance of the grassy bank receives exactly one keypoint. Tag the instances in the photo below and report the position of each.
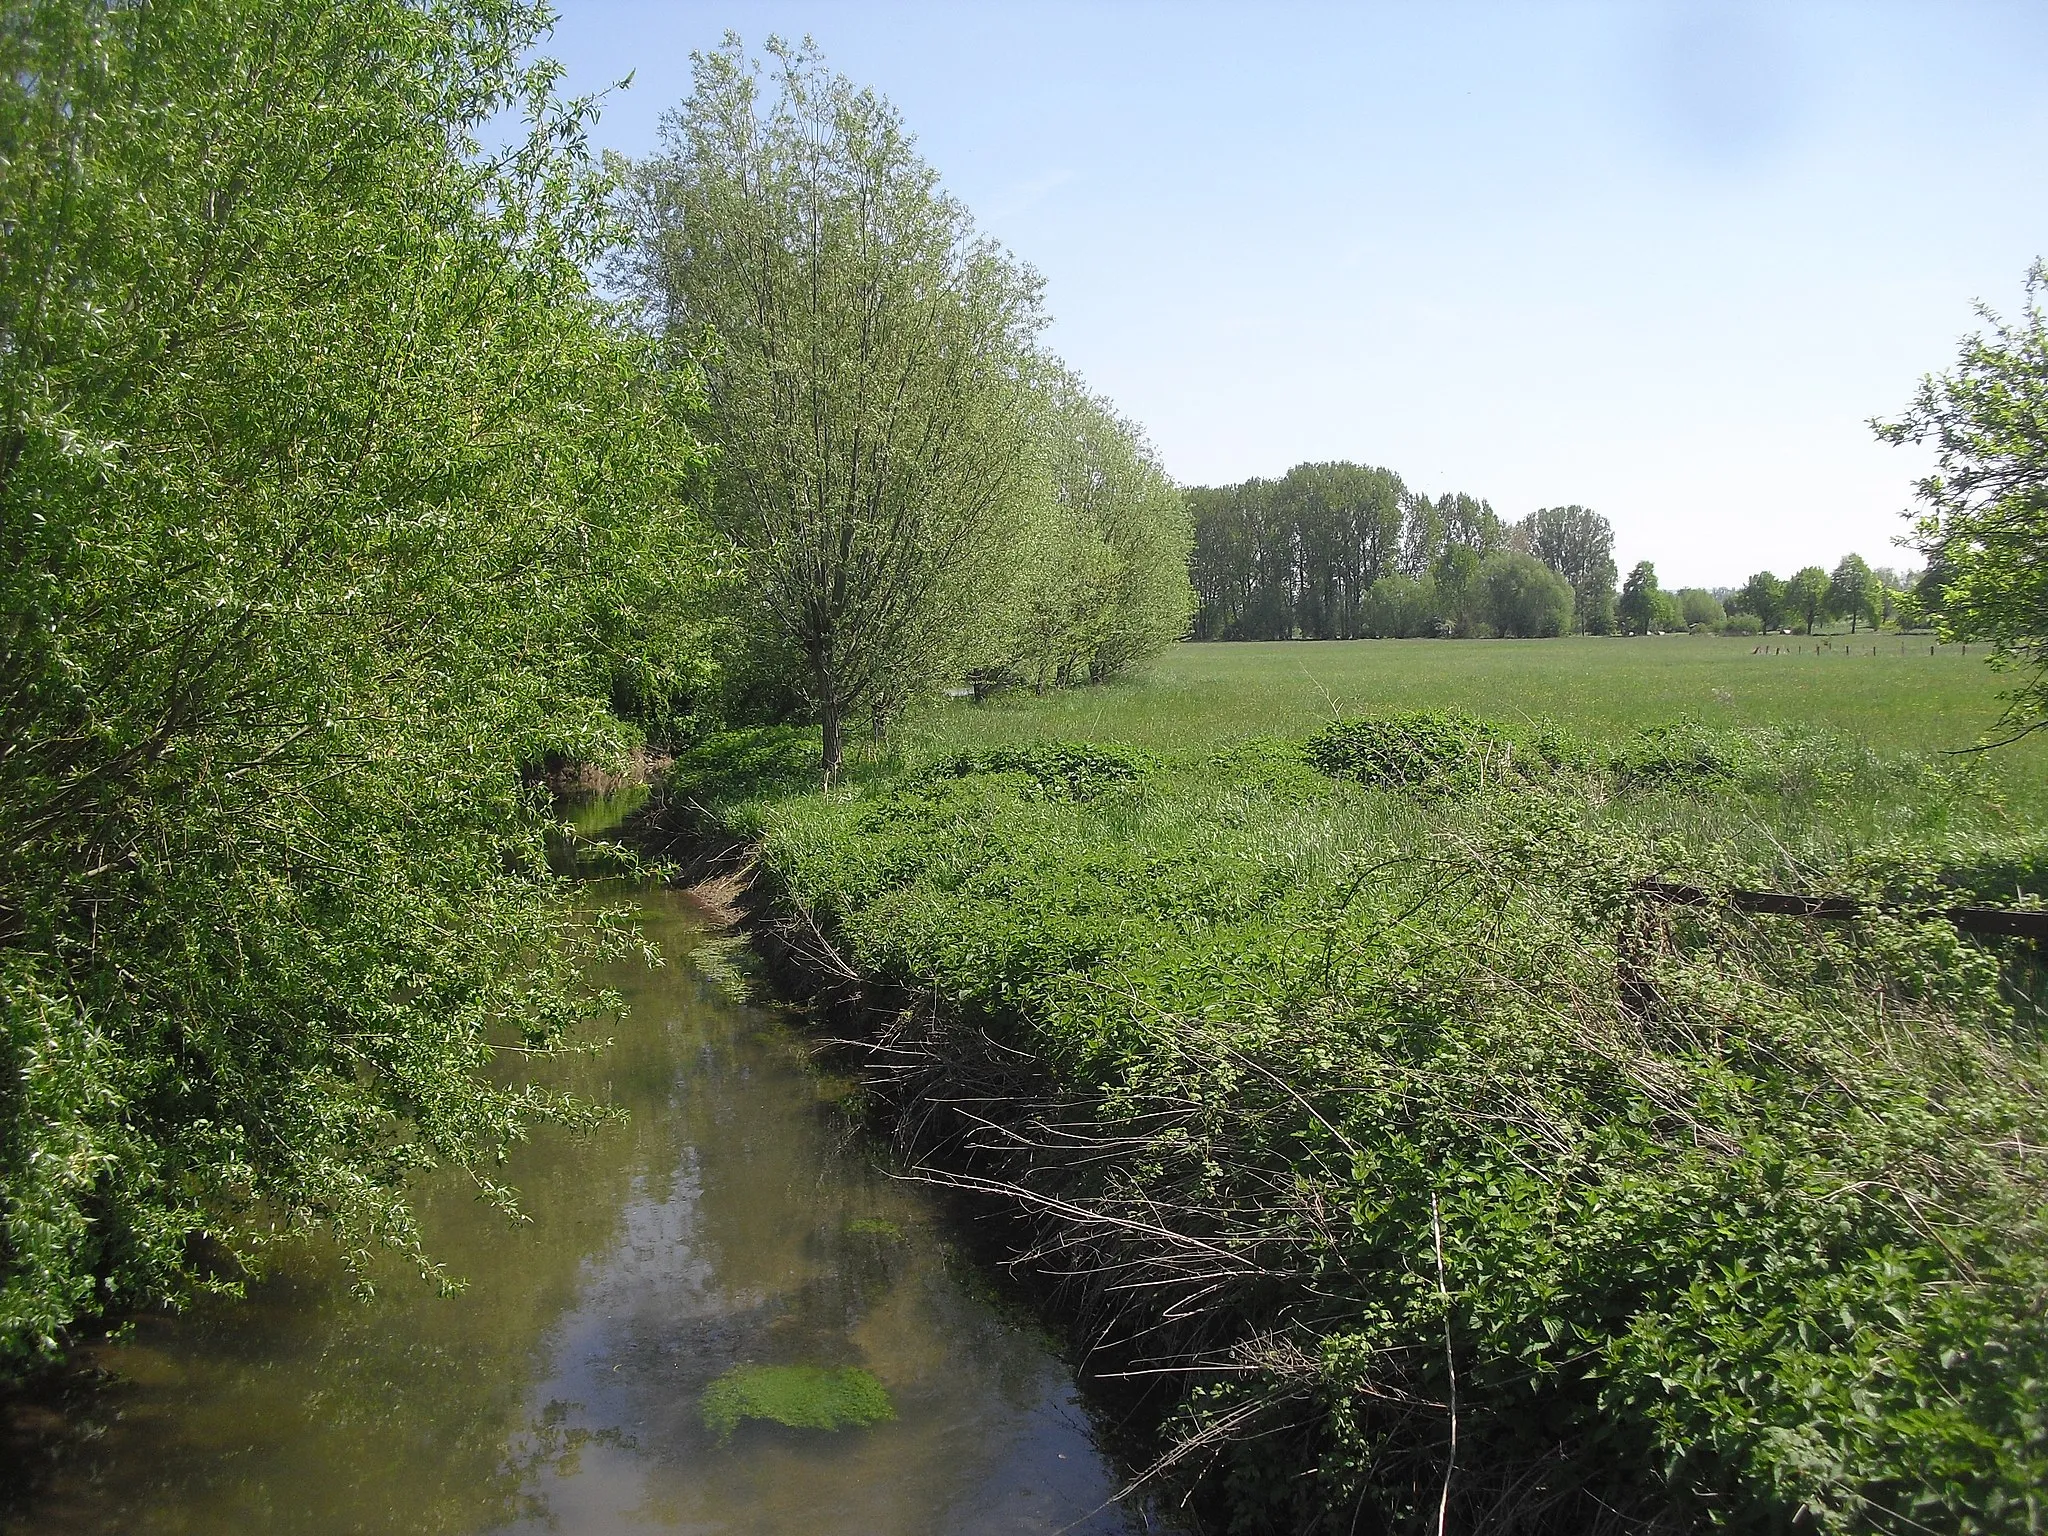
(1357, 1105)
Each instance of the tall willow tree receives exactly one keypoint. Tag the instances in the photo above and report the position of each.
(867, 360)
(1100, 576)
(1578, 544)
(328, 495)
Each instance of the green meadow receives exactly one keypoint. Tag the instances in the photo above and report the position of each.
(1902, 698)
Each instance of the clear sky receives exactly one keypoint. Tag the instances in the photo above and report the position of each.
(1662, 260)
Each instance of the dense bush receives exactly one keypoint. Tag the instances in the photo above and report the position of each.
(331, 496)
(1064, 770)
(1352, 1116)
(1426, 751)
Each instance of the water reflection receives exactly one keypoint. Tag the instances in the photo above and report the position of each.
(730, 1220)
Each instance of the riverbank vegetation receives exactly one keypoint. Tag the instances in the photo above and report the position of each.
(1357, 1105)
(331, 496)
(341, 506)
(916, 491)
(1308, 1006)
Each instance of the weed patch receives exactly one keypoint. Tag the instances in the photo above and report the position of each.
(799, 1396)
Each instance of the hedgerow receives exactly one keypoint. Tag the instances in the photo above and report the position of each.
(1424, 1172)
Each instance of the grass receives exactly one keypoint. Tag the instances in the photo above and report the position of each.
(1198, 695)
(1344, 1078)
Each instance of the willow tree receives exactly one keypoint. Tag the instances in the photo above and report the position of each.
(1100, 576)
(867, 359)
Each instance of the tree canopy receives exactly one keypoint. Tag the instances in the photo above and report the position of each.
(1763, 596)
(867, 358)
(913, 489)
(1578, 544)
(331, 496)
(1985, 521)
(1806, 596)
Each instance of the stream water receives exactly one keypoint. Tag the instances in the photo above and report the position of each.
(733, 1219)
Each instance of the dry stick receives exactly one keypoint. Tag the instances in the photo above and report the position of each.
(1436, 1228)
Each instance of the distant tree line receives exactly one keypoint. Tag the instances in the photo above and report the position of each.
(1345, 551)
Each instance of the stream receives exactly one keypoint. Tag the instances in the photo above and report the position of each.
(735, 1219)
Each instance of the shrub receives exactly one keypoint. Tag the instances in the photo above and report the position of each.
(1057, 770)
(1423, 751)
(1682, 753)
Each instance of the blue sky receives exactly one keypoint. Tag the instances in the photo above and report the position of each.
(1662, 260)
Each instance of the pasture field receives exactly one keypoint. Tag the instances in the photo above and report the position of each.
(1356, 1100)
(1902, 699)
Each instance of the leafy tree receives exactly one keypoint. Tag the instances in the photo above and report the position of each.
(1400, 608)
(1347, 525)
(331, 496)
(1578, 544)
(1806, 595)
(1638, 610)
(1101, 577)
(867, 357)
(1461, 599)
(1523, 596)
(1764, 596)
(1699, 607)
(1853, 592)
(1986, 519)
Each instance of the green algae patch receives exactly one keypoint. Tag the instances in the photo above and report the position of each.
(875, 1227)
(801, 1396)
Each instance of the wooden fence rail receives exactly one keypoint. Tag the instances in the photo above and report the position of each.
(2001, 922)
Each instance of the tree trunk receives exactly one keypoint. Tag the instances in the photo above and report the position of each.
(831, 719)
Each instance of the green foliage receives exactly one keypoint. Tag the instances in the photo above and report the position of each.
(912, 490)
(1097, 577)
(867, 356)
(1337, 551)
(1763, 596)
(1427, 752)
(800, 1396)
(1685, 752)
(1061, 770)
(1399, 607)
(332, 497)
(1578, 544)
(1806, 596)
(1986, 519)
(1699, 609)
(1644, 608)
(1763, 1250)
(1854, 593)
(1524, 597)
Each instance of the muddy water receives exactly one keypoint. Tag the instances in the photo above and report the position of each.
(731, 1219)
